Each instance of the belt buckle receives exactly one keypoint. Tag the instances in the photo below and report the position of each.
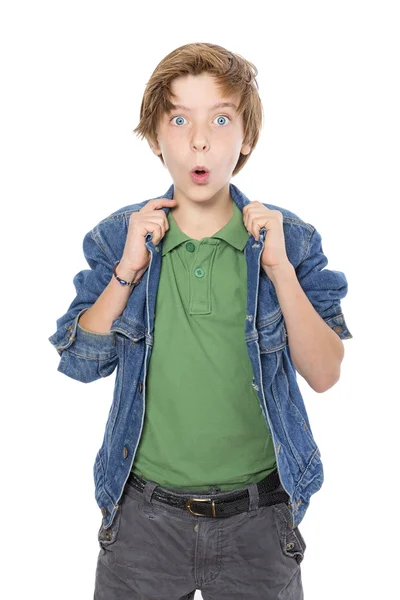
(188, 502)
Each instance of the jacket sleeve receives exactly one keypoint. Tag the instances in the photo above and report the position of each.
(86, 356)
(324, 288)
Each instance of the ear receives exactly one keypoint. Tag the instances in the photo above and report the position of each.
(154, 146)
(245, 149)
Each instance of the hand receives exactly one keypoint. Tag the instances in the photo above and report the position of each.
(256, 216)
(150, 219)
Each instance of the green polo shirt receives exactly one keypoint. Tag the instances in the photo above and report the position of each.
(203, 422)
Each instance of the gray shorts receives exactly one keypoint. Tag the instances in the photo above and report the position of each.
(154, 551)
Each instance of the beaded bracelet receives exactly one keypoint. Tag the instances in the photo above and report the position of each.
(122, 281)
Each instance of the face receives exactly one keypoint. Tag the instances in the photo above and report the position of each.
(200, 135)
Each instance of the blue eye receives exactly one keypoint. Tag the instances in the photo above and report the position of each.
(177, 117)
(222, 117)
(180, 117)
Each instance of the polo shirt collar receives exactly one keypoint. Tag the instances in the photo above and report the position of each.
(234, 232)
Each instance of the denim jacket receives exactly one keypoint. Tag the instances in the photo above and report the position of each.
(87, 356)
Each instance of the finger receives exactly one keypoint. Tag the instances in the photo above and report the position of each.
(157, 231)
(158, 224)
(247, 221)
(158, 203)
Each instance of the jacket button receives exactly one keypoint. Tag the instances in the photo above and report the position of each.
(103, 511)
(338, 328)
(125, 452)
(140, 387)
(290, 546)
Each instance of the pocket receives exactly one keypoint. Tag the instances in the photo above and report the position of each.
(291, 540)
(272, 334)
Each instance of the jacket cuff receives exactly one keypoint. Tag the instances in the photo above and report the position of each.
(86, 344)
(339, 326)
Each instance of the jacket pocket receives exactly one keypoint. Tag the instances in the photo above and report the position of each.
(126, 356)
(291, 541)
(120, 343)
(272, 335)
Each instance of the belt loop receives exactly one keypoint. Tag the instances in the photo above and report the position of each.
(147, 493)
(254, 498)
(149, 489)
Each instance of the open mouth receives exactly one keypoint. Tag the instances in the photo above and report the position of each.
(200, 175)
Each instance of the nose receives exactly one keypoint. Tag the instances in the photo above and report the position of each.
(199, 139)
(200, 145)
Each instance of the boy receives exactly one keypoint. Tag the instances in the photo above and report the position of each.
(208, 461)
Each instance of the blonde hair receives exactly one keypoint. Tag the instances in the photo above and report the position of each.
(234, 76)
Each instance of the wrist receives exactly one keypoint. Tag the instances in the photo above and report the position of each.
(125, 272)
(282, 270)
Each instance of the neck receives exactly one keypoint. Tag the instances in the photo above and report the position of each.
(202, 218)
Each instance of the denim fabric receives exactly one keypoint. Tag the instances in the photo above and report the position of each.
(87, 356)
(157, 551)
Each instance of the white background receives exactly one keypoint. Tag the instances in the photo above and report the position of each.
(72, 78)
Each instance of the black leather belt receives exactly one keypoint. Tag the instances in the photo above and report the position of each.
(221, 505)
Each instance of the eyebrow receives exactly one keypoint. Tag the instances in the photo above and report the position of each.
(217, 105)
